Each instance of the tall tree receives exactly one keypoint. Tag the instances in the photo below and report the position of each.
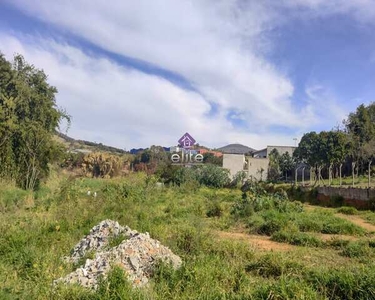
(286, 164)
(28, 119)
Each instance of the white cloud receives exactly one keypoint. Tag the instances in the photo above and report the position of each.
(324, 105)
(125, 107)
(218, 46)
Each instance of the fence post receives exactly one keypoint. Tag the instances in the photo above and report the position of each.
(303, 176)
(296, 176)
(353, 166)
(340, 175)
(369, 173)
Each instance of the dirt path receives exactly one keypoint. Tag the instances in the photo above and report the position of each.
(328, 237)
(258, 241)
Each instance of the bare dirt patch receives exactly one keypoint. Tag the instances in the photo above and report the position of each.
(328, 237)
(259, 241)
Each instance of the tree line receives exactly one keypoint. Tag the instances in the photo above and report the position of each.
(351, 147)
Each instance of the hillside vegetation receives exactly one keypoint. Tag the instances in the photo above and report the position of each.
(325, 256)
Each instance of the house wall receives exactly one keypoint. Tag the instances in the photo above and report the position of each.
(261, 153)
(254, 167)
(234, 163)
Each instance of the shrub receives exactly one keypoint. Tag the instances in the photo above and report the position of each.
(349, 283)
(325, 222)
(115, 286)
(254, 223)
(356, 249)
(208, 175)
(286, 288)
(273, 265)
(213, 176)
(296, 238)
(274, 221)
(238, 179)
(242, 207)
(215, 209)
(347, 210)
(101, 165)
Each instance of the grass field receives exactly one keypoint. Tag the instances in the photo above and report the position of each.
(233, 245)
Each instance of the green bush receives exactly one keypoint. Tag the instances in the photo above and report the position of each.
(296, 238)
(273, 265)
(115, 286)
(273, 222)
(347, 210)
(325, 222)
(208, 175)
(356, 249)
(286, 288)
(214, 210)
(343, 284)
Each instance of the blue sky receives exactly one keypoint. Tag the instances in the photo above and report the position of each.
(254, 72)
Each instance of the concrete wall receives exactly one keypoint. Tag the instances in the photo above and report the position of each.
(348, 193)
(357, 197)
(234, 163)
(254, 166)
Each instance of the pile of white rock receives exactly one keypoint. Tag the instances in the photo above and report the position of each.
(137, 254)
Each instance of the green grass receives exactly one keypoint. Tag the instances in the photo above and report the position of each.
(35, 236)
(346, 210)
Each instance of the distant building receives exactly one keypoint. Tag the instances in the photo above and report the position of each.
(236, 149)
(255, 168)
(264, 153)
(174, 149)
(215, 153)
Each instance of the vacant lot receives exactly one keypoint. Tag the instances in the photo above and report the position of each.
(234, 245)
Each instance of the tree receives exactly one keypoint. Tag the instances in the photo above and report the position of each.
(274, 167)
(28, 120)
(360, 126)
(210, 158)
(286, 164)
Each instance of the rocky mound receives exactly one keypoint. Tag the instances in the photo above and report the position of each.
(137, 255)
(98, 238)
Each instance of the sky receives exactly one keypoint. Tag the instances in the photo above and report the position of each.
(139, 73)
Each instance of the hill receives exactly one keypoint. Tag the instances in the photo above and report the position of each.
(86, 146)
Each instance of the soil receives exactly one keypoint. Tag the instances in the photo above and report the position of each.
(257, 241)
